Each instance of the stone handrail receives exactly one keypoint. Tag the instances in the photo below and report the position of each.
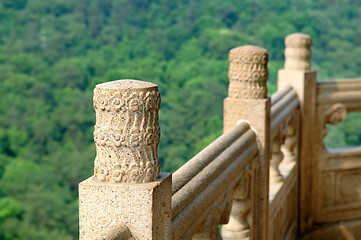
(184, 174)
(282, 108)
(343, 91)
(214, 172)
(349, 155)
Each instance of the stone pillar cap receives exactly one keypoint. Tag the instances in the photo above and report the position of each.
(126, 133)
(248, 72)
(298, 39)
(126, 84)
(298, 52)
(247, 49)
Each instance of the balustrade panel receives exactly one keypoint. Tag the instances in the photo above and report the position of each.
(338, 170)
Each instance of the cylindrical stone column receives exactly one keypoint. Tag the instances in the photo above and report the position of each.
(298, 52)
(247, 99)
(303, 80)
(126, 133)
(248, 72)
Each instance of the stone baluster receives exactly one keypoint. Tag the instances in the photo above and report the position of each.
(240, 220)
(247, 99)
(127, 188)
(277, 157)
(289, 146)
(298, 74)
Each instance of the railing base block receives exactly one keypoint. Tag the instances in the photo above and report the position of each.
(145, 208)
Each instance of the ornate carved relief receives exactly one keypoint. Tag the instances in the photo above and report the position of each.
(248, 72)
(298, 52)
(334, 115)
(126, 133)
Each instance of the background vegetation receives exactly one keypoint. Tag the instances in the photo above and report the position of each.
(53, 53)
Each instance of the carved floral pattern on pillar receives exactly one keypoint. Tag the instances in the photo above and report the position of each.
(126, 133)
(248, 72)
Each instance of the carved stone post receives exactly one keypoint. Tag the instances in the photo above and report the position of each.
(247, 99)
(297, 73)
(127, 188)
(126, 133)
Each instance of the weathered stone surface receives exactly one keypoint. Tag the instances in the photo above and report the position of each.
(126, 133)
(115, 231)
(144, 208)
(248, 72)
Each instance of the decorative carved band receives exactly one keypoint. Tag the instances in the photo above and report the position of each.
(248, 72)
(298, 52)
(126, 133)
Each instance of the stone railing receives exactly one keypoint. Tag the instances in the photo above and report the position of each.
(261, 179)
(338, 175)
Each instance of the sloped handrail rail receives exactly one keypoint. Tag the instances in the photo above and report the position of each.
(185, 173)
(283, 103)
(199, 182)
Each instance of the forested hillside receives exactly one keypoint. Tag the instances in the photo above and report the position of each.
(53, 53)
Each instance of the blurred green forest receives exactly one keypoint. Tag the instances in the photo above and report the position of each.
(54, 52)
